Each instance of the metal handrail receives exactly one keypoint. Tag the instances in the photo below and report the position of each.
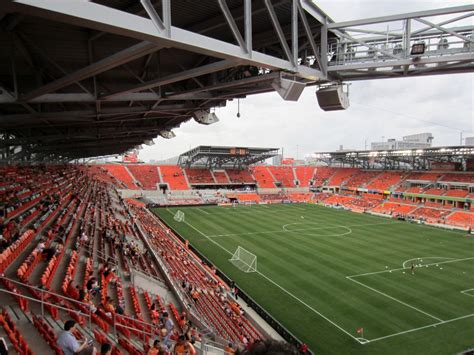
(87, 305)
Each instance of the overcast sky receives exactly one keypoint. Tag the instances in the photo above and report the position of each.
(389, 108)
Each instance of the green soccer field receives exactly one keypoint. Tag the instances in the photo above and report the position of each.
(324, 273)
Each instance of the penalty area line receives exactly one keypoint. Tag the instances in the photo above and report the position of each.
(394, 299)
(421, 328)
(405, 268)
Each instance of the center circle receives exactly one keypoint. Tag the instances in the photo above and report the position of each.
(299, 227)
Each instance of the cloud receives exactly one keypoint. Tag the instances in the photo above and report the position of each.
(390, 108)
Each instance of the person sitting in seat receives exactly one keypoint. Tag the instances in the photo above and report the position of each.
(67, 342)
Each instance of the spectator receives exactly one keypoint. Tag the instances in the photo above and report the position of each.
(183, 347)
(229, 349)
(155, 349)
(272, 347)
(106, 349)
(169, 326)
(67, 342)
(3, 347)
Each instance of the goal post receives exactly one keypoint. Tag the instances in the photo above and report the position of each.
(179, 216)
(244, 260)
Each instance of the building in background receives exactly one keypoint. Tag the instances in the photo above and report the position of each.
(414, 141)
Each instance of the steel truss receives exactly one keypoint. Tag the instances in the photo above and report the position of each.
(208, 157)
(411, 159)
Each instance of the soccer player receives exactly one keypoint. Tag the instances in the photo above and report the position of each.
(413, 269)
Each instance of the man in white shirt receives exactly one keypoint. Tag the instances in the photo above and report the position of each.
(67, 342)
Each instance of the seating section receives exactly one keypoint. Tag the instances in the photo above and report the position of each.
(340, 176)
(263, 177)
(322, 175)
(431, 214)
(360, 179)
(121, 173)
(237, 176)
(283, 174)
(221, 177)
(248, 197)
(461, 177)
(461, 219)
(304, 175)
(199, 176)
(174, 176)
(395, 209)
(82, 241)
(385, 181)
(146, 175)
(434, 191)
(424, 176)
(456, 193)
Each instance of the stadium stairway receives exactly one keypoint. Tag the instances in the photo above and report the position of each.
(135, 181)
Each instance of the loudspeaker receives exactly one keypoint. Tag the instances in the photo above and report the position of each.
(289, 90)
(332, 98)
(204, 117)
(167, 134)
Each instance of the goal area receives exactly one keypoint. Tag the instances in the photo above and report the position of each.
(244, 260)
(179, 216)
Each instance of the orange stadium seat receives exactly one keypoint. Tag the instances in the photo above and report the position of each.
(263, 176)
(304, 175)
(174, 176)
(240, 176)
(221, 177)
(199, 176)
(283, 174)
(147, 175)
(341, 175)
(121, 174)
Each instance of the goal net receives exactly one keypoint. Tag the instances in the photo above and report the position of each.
(179, 216)
(244, 260)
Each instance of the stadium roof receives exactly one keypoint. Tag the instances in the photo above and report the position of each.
(224, 157)
(80, 78)
(416, 159)
(93, 78)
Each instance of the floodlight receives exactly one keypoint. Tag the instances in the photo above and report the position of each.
(289, 90)
(418, 48)
(205, 117)
(167, 134)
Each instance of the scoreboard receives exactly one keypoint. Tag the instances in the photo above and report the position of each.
(239, 151)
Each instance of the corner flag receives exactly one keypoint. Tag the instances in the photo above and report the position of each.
(360, 331)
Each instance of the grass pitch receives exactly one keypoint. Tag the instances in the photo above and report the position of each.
(325, 273)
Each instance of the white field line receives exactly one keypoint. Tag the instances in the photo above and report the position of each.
(394, 299)
(466, 292)
(298, 230)
(405, 268)
(200, 209)
(420, 328)
(425, 257)
(280, 287)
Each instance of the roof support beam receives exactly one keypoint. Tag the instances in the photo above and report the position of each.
(442, 29)
(279, 32)
(233, 26)
(137, 51)
(173, 78)
(102, 18)
(410, 15)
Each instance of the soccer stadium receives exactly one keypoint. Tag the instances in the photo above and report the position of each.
(152, 200)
